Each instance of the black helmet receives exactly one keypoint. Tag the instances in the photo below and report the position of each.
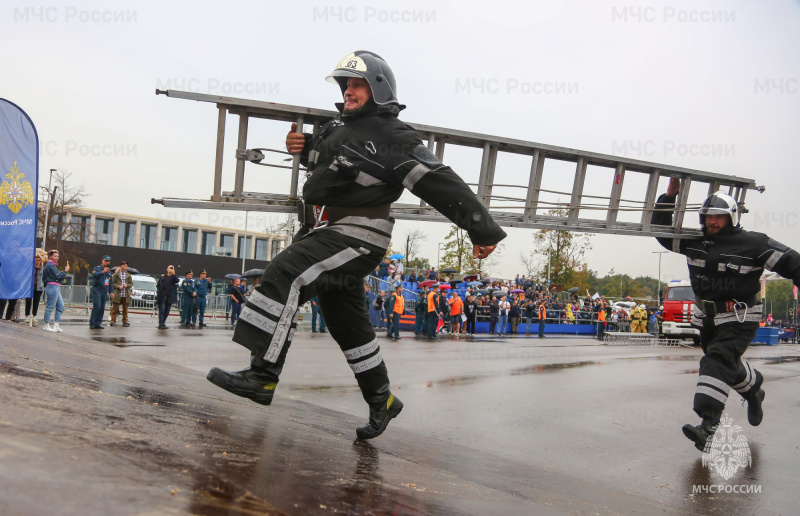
(370, 67)
(719, 203)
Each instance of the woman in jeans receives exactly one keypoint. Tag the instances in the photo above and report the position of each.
(52, 279)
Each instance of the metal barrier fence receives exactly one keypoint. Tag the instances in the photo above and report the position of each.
(639, 339)
(217, 306)
(76, 298)
(376, 285)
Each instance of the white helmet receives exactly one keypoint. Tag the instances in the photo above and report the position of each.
(642, 307)
(719, 203)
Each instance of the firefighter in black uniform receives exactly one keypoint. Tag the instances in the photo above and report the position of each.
(725, 266)
(359, 163)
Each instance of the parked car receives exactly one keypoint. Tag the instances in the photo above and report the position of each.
(144, 290)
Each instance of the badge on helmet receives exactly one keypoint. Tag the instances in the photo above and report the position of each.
(372, 68)
(719, 203)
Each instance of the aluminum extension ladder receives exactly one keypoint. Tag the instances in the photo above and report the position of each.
(530, 211)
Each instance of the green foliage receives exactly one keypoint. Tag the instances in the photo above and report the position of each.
(622, 285)
(419, 263)
(457, 252)
(567, 255)
(780, 298)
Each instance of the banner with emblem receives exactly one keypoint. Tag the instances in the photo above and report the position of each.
(19, 173)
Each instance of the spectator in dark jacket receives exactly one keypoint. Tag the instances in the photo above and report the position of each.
(513, 316)
(166, 295)
(378, 303)
(530, 313)
(383, 269)
(494, 314)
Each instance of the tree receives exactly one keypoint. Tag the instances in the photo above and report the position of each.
(418, 264)
(63, 232)
(566, 252)
(780, 298)
(283, 226)
(457, 250)
(621, 286)
(411, 244)
(530, 262)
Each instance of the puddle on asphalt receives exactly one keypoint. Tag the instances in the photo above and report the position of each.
(114, 340)
(778, 360)
(549, 368)
(124, 342)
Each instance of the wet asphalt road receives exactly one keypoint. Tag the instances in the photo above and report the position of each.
(123, 422)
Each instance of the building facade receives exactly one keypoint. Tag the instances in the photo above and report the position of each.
(150, 244)
(133, 231)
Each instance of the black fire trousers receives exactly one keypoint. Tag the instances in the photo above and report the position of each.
(722, 367)
(332, 263)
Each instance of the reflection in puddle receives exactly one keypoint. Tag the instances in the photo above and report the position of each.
(780, 360)
(123, 342)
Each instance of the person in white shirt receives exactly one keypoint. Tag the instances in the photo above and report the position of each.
(502, 320)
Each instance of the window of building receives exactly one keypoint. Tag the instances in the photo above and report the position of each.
(226, 245)
(244, 252)
(189, 241)
(209, 243)
(127, 234)
(103, 231)
(169, 239)
(79, 228)
(147, 239)
(261, 249)
(276, 245)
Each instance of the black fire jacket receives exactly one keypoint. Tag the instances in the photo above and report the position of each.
(369, 158)
(728, 265)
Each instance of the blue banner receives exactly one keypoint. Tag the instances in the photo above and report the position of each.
(19, 174)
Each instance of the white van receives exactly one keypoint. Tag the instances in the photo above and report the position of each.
(144, 290)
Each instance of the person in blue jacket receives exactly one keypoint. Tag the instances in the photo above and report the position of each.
(100, 278)
(202, 286)
(52, 278)
(188, 296)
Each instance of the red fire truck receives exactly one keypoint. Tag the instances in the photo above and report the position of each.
(677, 313)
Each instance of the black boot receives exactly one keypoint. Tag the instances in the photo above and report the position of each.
(754, 411)
(702, 434)
(383, 406)
(256, 383)
(379, 417)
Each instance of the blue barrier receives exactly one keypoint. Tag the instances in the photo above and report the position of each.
(768, 336)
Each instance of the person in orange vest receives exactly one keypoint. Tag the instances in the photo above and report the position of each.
(396, 306)
(456, 309)
(542, 318)
(434, 311)
(601, 322)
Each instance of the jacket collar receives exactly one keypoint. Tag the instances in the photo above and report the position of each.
(369, 109)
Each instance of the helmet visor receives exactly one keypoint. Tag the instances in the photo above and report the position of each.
(715, 211)
(716, 205)
(337, 74)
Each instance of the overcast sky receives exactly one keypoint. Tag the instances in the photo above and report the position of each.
(712, 85)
